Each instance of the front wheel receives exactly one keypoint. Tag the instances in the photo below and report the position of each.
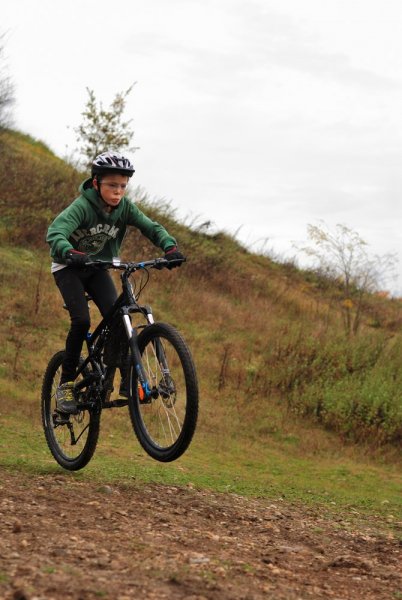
(71, 442)
(165, 421)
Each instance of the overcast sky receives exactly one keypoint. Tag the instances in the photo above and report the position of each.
(263, 115)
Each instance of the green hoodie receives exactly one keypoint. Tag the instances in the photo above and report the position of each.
(86, 227)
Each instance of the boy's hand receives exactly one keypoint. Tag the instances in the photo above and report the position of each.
(76, 258)
(172, 255)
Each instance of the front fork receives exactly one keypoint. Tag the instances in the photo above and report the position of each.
(144, 387)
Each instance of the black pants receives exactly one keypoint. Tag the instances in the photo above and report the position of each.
(73, 283)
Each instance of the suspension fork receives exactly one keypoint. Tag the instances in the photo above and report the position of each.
(157, 344)
(144, 388)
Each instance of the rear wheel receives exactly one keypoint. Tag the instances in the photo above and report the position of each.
(164, 422)
(71, 442)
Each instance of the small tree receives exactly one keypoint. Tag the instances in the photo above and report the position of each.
(342, 256)
(6, 90)
(103, 129)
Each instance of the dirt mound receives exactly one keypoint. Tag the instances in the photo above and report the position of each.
(61, 538)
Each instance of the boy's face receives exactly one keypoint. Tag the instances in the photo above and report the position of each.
(112, 188)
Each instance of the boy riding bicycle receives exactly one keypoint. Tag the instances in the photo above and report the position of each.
(93, 227)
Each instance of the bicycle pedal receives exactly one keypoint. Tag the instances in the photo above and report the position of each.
(115, 403)
(121, 402)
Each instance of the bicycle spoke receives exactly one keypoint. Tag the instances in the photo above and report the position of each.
(163, 416)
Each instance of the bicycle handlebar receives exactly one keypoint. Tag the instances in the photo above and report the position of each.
(116, 263)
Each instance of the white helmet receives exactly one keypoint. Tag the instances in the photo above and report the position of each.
(112, 162)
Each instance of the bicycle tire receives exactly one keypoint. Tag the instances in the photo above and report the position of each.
(165, 425)
(86, 423)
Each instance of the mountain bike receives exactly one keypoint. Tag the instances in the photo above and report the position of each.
(162, 394)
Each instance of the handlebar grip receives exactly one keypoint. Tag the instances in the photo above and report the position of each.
(160, 263)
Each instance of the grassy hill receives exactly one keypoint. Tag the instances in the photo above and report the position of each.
(289, 403)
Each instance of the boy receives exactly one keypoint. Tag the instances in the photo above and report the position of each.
(93, 227)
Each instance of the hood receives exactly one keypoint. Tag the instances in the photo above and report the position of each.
(88, 191)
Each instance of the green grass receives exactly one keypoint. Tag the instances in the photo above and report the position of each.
(272, 470)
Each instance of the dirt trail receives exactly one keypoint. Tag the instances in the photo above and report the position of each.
(65, 539)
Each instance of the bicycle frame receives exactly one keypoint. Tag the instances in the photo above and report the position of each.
(125, 305)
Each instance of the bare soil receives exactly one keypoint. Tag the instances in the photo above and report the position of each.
(62, 538)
